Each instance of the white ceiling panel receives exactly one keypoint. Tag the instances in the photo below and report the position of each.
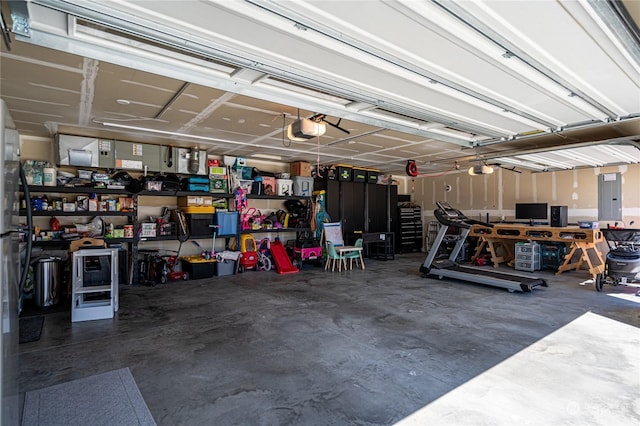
(435, 81)
(564, 47)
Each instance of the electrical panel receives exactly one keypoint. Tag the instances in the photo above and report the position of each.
(610, 196)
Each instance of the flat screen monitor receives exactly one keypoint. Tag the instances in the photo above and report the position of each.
(528, 211)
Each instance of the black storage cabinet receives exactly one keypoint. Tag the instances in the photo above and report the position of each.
(361, 207)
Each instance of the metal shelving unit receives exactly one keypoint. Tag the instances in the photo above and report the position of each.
(132, 216)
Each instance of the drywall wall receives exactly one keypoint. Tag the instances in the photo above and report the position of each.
(477, 196)
(497, 193)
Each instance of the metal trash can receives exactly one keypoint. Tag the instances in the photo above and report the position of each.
(48, 281)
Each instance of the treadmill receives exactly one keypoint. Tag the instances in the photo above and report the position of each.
(449, 268)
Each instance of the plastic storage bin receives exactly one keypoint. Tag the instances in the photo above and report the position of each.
(198, 224)
(302, 186)
(284, 187)
(522, 265)
(359, 175)
(226, 267)
(344, 173)
(227, 222)
(527, 248)
(198, 267)
(527, 257)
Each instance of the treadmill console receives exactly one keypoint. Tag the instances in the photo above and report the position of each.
(449, 216)
(449, 211)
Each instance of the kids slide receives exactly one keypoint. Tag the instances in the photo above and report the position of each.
(281, 259)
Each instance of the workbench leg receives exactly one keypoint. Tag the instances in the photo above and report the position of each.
(479, 248)
(497, 260)
(588, 248)
(494, 255)
(567, 265)
(508, 251)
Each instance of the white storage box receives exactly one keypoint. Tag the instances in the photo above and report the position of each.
(284, 187)
(302, 186)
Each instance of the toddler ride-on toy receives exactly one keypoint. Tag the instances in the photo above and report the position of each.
(248, 253)
(304, 249)
(169, 261)
(169, 271)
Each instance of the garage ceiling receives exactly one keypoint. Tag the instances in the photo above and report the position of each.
(438, 82)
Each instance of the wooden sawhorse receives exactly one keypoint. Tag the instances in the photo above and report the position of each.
(492, 244)
(589, 253)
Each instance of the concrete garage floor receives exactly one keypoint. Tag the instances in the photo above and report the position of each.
(360, 348)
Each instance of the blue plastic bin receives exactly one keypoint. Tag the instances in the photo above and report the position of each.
(228, 222)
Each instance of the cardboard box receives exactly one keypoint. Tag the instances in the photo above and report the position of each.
(82, 203)
(300, 168)
(126, 203)
(269, 183)
(195, 201)
(218, 185)
(217, 171)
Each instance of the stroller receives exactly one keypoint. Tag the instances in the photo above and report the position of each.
(623, 260)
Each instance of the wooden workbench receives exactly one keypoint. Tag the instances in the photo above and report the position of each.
(580, 240)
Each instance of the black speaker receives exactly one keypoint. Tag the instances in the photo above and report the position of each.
(559, 216)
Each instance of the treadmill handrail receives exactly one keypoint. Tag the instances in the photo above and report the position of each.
(460, 221)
